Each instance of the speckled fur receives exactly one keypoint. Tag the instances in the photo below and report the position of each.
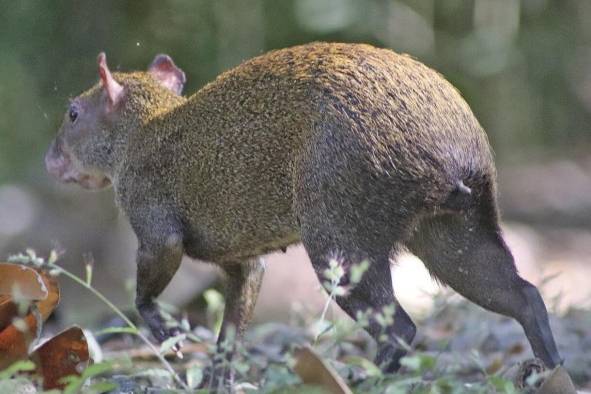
(355, 151)
(250, 133)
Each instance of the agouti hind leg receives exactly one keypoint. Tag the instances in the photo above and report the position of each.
(466, 251)
(243, 282)
(372, 294)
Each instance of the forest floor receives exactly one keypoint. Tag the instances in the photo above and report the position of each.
(460, 348)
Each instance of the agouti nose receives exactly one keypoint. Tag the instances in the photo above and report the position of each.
(55, 162)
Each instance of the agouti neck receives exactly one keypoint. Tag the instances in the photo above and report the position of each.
(138, 122)
(145, 101)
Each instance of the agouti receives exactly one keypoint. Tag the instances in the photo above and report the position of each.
(355, 151)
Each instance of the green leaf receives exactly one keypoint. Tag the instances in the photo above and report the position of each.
(321, 327)
(403, 385)
(88, 280)
(101, 387)
(194, 376)
(19, 366)
(53, 256)
(74, 383)
(357, 271)
(502, 385)
(240, 367)
(170, 342)
(370, 368)
(213, 299)
(339, 291)
(418, 362)
(117, 330)
(97, 369)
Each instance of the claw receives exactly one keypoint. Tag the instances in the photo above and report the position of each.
(176, 349)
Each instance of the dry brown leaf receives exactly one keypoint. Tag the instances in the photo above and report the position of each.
(35, 286)
(47, 306)
(63, 355)
(558, 382)
(8, 310)
(14, 344)
(516, 349)
(314, 371)
(26, 279)
(495, 366)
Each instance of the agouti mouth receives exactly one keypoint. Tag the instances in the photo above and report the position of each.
(87, 181)
(60, 166)
(92, 182)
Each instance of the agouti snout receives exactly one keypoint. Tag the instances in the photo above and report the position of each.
(355, 151)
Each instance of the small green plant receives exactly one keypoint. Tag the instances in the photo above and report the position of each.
(215, 308)
(50, 264)
(269, 366)
(17, 367)
(335, 275)
(75, 383)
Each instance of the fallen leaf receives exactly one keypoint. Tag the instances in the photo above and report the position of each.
(314, 371)
(63, 355)
(558, 382)
(26, 279)
(33, 286)
(8, 310)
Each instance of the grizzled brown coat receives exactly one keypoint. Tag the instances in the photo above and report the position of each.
(356, 151)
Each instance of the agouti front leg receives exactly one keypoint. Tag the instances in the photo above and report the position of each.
(243, 282)
(158, 259)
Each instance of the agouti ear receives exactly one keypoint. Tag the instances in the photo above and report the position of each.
(167, 73)
(112, 87)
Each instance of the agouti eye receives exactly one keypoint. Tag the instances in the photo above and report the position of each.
(73, 114)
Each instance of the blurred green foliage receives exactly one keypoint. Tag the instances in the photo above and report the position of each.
(523, 65)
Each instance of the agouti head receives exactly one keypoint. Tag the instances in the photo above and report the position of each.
(93, 136)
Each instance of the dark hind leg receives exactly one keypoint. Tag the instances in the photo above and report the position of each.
(344, 208)
(243, 282)
(468, 253)
(372, 294)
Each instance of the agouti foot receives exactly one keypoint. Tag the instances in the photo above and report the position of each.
(217, 379)
(163, 333)
(157, 325)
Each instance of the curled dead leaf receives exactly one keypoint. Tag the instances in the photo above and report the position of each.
(315, 371)
(31, 286)
(558, 382)
(63, 355)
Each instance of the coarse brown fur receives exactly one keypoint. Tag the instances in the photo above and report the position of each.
(354, 150)
(397, 119)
